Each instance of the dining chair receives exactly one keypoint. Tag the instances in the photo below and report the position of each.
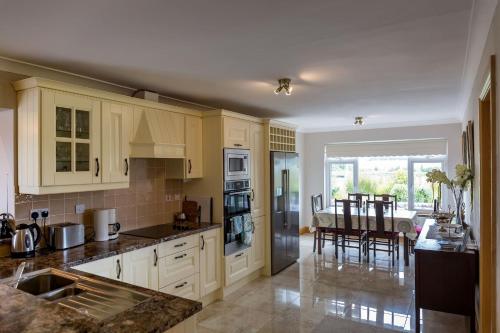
(387, 197)
(380, 234)
(316, 206)
(360, 197)
(349, 232)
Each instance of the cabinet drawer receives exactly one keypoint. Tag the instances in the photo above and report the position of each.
(178, 266)
(237, 267)
(177, 245)
(188, 287)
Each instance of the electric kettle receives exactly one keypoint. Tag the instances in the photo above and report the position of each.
(24, 240)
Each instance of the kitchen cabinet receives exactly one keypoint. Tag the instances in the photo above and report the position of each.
(236, 133)
(70, 138)
(257, 168)
(178, 266)
(111, 267)
(257, 251)
(115, 138)
(194, 144)
(188, 287)
(210, 261)
(140, 267)
(237, 266)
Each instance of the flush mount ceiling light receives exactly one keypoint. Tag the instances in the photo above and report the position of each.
(284, 84)
(359, 120)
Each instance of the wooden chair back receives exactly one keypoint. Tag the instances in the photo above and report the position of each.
(360, 197)
(316, 203)
(387, 197)
(346, 206)
(380, 207)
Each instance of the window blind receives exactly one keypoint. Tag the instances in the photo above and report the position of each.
(387, 148)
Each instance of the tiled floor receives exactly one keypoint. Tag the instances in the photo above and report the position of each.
(321, 294)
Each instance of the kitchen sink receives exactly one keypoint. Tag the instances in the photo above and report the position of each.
(43, 283)
(86, 295)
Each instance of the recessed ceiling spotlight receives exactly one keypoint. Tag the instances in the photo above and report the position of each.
(359, 120)
(284, 84)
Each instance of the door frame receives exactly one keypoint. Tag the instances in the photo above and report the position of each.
(487, 202)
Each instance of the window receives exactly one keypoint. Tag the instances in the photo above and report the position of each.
(402, 176)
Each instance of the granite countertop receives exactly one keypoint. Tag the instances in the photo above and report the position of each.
(22, 312)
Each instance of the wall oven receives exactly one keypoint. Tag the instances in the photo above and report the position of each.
(236, 164)
(237, 215)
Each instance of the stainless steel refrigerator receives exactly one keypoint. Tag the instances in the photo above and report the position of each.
(284, 210)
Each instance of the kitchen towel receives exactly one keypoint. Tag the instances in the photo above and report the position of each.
(247, 235)
(237, 225)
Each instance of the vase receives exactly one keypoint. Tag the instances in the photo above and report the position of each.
(458, 195)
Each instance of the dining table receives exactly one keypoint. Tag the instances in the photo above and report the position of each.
(404, 222)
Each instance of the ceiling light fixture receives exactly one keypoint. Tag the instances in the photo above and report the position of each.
(284, 84)
(359, 120)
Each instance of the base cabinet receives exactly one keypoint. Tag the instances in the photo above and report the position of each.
(140, 267)
(188, 287)
(237, 267)
(257, 251)
(210, 261)
(111, 268)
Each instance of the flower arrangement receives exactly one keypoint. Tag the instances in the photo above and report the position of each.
(461, 182)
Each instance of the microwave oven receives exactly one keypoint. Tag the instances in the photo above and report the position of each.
(236, 164)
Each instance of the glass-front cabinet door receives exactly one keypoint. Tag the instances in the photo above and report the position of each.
(71, 139)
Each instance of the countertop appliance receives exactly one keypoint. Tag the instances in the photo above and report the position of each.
(105, 225)
(65, 235)
(236, 164)
(284, 210)
(24, 240)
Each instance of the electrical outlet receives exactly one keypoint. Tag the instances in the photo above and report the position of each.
(39, 211)
(79, 208)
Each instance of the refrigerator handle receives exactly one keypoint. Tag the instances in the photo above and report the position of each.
(284, 196)
(287, 198)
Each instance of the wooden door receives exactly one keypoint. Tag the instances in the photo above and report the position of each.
(194, 153)
(258, 257)
(140, 267)
(210, 261)
(487, 203)
(236, 133)
(116, 132)
(70, 139)
(257, 169)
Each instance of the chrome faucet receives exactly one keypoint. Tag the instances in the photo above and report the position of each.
(19, 274)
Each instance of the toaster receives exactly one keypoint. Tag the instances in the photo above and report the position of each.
(65, 235)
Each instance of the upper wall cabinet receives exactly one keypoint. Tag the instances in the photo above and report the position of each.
(157, 134)
(236, 133)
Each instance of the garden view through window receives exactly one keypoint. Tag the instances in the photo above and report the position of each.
(402, 176)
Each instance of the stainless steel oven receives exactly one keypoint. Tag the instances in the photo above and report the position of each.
(237, 209)
(236, 164)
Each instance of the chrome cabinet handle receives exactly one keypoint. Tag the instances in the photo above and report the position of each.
(118, 269)
(203, 243)
(97, 167)
(238, 145)
(190, 166)
(180, 245)
(238, 255)
(126, 167)
(156, 258)
(181, 256)
(181, 285)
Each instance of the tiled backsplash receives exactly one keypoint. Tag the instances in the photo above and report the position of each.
(151, 199)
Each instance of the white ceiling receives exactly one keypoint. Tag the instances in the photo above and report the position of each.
(395, 62)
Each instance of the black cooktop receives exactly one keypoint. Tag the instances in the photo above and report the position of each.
(165, 230)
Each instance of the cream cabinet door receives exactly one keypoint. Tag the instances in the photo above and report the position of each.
(111, 268)
(236, 133)
(194, 152)
(188, 287)
(237, 266)
(70, 139)
(257, 169)
(140, 267)
(178, 266)
(116, 132)
(210, 261)
(258, 255)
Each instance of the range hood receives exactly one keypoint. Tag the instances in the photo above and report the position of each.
(157, 134)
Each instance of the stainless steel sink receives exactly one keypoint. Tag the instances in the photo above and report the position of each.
(86, 295)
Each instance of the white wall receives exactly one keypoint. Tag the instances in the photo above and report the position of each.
(314, 143)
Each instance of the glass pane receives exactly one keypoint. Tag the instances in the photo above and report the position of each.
(422, 189)
(63, 157)
(82, 124)
(82, 157)
(63, 122)
(341, 181)
(384, 175)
